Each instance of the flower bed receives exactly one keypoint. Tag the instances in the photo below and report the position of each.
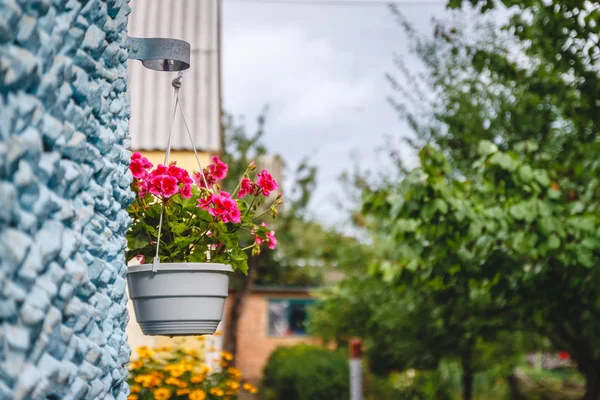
(175, 372)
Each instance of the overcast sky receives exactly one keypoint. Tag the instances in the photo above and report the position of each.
(321, 69)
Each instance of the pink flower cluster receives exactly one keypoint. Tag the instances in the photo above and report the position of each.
(221, 206)
(216, 171)
(269, 235)
(265, 184)
(139, 166)
(163, 181)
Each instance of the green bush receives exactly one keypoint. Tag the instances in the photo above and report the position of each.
(407, 385)
(305, 372)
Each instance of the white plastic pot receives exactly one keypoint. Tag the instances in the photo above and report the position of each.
(178, 299)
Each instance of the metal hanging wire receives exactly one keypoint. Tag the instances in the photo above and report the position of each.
(176, 83)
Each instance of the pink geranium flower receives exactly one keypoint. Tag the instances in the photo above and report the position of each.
(271, 239)
(199, 181)
(143, 185)
(144, 160)
(163, 185)
(218, 169)
(180, 174)
(266, 182)
(186, 191)
(225, 208)
(169, 186)
(246, 187)
(160, 170)
(137, 169)
(139, 165)
(269, 234)
(154, 185)
(205, 203)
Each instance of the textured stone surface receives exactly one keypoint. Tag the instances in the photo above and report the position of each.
(64, 187)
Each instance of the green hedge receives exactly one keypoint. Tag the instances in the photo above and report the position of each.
(305, 372)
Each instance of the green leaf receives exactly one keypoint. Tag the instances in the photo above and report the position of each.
(239, 260)
(541, 176)
(586, 258)
(505, 161)
(525, 173)
(553, 242)
(183, 242)
(441, 205)
(153, 211)
(178, 228)
(486, 148)
(586, 223)
(407, 225)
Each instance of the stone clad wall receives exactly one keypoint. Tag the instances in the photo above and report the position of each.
(64, 187)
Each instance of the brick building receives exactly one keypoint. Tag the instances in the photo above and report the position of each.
(273, 316)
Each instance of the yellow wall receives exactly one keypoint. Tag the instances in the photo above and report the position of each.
(185, 159)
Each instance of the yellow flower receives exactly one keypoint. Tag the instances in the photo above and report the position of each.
(154, 381)
(234, 372)
(197, 395)
(176, 382)
(200, 338)
(212, 349)
(164, 348)
(182, 392)
(216, 391)
(192, 352)
(224, 364)
(171, 381)
(132, 397)
(205, 369)
(144, 380)
(157, 374)
(196, 378)
(233, 385)
(218, 333)
(226, 355)
(136, 364)
(145, 352)
(250, 388)
(135, 389)
(161, 393)
(177, 372)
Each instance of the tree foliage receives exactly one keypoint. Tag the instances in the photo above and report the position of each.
(515, 217)
(498, 229)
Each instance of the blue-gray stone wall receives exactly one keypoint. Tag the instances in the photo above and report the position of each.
(64, 189)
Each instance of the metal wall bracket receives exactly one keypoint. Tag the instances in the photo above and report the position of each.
(160, 54)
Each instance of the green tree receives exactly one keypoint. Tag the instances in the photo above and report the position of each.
(534, 95)
(305, 249)
(507, 242)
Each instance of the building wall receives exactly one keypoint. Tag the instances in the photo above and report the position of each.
(254, 344)
(64, 187)
(196, 22)
(185, 159)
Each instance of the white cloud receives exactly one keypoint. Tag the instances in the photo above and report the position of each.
(304, 78)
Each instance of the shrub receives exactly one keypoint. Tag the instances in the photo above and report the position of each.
(305, 372)
(175, 372)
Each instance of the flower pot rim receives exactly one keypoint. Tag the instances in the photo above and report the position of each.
(181, 266)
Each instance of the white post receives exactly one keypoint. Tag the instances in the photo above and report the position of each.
(356, 376)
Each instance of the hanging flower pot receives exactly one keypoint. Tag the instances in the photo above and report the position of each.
(179, 298)
(189, 235)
